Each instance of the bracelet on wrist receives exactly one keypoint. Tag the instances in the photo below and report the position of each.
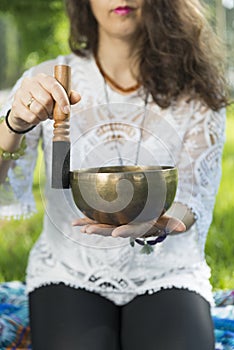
(12, 129)
(6, 155)
(148, 242)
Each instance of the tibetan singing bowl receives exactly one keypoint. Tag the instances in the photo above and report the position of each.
(122, 194)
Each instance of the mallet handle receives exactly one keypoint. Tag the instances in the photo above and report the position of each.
(62, 73)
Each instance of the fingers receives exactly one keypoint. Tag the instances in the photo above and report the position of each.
(93, 227)
(146, 229)
(83, 221)
(38, 101)
(170, 223)
(151, 228)
(74, 97)
(98, 229)
(134, 230)
(49, 87)
(35, 99)
(90, 226)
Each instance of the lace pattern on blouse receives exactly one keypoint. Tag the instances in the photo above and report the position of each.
(111, 282)
(122, 272)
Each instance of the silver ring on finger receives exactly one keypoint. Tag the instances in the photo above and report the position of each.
(30, 102)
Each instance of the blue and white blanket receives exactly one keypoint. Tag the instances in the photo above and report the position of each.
(15, 330)
(223, 318)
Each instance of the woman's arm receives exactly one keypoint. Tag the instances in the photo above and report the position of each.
(199, 167)
(43, 90)
(183, 213)
(9, 142)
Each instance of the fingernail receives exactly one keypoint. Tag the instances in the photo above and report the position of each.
(67, 109)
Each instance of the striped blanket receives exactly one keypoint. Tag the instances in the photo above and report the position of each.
(15, 331)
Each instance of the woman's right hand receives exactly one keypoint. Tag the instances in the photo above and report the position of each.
(34, 101)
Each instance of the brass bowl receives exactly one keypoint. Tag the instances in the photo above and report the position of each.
(122, 194)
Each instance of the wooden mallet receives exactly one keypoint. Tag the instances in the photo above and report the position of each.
(61, 138)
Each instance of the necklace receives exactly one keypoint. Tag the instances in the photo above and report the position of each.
(113, 131)
(112, 82)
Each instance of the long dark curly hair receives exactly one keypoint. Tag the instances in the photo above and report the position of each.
(179, 52)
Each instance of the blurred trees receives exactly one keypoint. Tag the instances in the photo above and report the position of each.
(31, 31)
(230, 46)
(223, 21)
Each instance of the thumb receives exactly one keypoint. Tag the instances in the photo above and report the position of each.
(74, 97)
(171, 223)
(175, 225)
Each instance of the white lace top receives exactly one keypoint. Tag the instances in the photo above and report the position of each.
(186, 134)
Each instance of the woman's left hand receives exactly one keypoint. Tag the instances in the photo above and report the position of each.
(136, 230)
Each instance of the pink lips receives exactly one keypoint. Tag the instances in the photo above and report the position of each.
(122, 11)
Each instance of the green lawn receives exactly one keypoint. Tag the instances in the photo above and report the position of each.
(17, 237)
(220, 242)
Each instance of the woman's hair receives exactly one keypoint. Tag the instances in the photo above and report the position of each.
(179, 52)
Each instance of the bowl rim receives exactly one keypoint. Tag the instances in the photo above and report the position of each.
(131, 169)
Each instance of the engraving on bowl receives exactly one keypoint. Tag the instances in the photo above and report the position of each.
(122, 194)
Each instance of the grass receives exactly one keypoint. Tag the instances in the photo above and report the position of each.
(17, 237)
(220, 241)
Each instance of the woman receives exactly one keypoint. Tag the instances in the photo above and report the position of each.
(148, 74)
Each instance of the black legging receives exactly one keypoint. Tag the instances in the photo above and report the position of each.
(65, 318)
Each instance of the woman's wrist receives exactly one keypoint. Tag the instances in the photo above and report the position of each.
(183, 213)
(16, 154)
(13, 128)
(9, 141)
